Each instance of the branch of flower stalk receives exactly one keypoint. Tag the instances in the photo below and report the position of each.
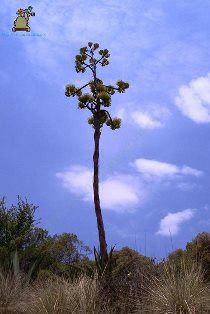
(90, 107)
(87, 54)
(79, 89)
(99, 59)
(109, 117)
(86, 65)
(116, 88)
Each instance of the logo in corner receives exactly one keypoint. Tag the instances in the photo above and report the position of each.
(21, 22)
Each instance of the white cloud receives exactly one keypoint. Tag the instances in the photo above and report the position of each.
(150, 117)
(145, 121)
(194, 99)
(78, 180)
(122, 192)
(170, 224)
(153, 168)
(190, 171)
(117, 192)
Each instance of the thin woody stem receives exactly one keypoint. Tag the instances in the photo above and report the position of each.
(99, 60)
(82, 87)
(88, 66)
(87, 54)
(109, 117)
(108, 86)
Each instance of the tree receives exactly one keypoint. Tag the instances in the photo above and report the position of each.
(16, 225)
(63, 252)
(99, 97)
(199, 251)
(32, 247)
(178, 261)
(19, 235)
(67, 248)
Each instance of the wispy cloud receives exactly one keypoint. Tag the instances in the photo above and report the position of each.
(185, 170)
(148, 117)
(206, 207)
(118, 192)
(194, 99)
(151, 118)
(186, 186)
(170, 224)
(153, 14)
(66, 25)
(78, 180)
(124, 232)
(71, 24)
(124, 192)
(153, 168)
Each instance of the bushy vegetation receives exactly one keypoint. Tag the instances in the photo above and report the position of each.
(41, 273)
(26, 248)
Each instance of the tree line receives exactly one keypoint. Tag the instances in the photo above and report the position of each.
(36, 252)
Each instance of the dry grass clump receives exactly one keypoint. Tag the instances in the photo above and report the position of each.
(178, 292)
(124, 293)
(171, 291)
(12, 293)
(60, 296)
(126, 287)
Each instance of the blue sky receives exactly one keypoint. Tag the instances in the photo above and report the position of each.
(154, 171)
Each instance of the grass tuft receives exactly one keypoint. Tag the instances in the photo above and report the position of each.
(178, 291)
(59, 296)
(12, 293)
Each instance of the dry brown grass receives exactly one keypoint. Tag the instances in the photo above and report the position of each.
(59, 296)
(171, 292)
(178, 292)
(12, 293)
